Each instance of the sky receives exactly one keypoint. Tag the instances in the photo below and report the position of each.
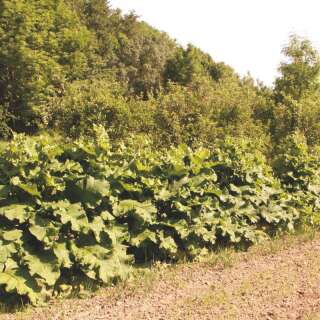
(246, 34)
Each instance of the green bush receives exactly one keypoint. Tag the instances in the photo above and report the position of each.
(98, 101)
(78, 212)
(297, 166)
(56, 233)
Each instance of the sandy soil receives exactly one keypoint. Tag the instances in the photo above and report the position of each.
(272, 282)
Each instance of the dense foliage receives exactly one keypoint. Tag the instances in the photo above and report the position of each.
(42, 45)
(158, 152)
(83, 212)
(69, 64)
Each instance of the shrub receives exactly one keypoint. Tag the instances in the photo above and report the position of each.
(78, 212)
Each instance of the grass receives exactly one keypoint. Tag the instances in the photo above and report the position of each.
(283, 242)
(225, 258)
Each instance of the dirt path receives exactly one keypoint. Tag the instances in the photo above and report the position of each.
(269, 282)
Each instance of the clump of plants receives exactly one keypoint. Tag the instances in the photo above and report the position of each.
(84, 212)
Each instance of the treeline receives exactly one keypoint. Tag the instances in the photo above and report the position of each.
(69, 64)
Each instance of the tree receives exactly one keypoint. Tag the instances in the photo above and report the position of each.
(133, 50)
(142, 58)
(296, 93)
(205, 111)
(191, 62)
(300, 72)
(42, 45)
(104, 22)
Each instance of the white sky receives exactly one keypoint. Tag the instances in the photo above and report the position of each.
(246, 34)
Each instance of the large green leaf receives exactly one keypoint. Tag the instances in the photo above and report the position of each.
(19, 281)
(44, 230)
(20, 212)
(43, 264)
(146, 235)
(12, 235)
(143, 210)
(97, 226)
(62, 253)
(30, 188)
(73, 214)
(90, 257)
(6, 251)
(115, 267)
(96, 186)
(168, 244)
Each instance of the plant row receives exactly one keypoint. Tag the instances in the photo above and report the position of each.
(82, 213)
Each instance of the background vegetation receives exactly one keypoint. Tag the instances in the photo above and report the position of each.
(69, 64)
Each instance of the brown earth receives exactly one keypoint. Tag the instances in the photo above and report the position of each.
(279, 280)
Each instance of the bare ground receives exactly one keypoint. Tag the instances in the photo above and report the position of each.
(279, 280)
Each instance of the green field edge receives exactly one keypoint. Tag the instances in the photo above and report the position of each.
(144, 277)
